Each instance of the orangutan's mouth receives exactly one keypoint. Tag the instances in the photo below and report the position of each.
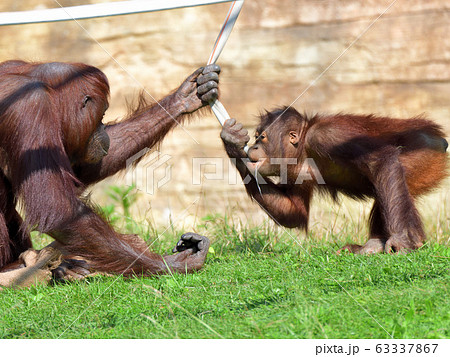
(255, 165)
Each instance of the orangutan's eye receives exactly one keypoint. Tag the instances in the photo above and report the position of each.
(86, 99)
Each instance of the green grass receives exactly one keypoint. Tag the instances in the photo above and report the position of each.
(249, 290)
(258, 282)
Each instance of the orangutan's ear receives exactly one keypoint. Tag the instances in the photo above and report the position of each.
(293, 137)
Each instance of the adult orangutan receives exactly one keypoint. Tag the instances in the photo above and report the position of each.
(53, 144)
(391, 160)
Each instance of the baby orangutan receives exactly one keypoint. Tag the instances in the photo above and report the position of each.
(362, 156)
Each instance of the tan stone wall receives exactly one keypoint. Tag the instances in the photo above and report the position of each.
(278, 54)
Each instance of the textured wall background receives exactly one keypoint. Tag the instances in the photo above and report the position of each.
(400, 66)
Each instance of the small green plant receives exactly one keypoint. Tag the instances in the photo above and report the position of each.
(125, 197)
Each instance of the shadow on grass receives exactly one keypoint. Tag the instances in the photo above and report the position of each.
(251, 304)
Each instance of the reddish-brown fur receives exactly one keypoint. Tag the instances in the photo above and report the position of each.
(390, 160)
(48, 112)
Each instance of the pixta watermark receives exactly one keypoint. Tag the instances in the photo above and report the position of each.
(156, 170)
